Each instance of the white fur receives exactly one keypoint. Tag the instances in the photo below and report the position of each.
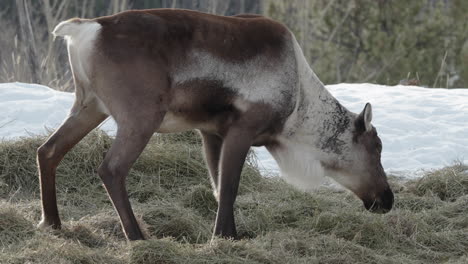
(344, 179)
(256, 80)
(299, 157)
(299, 166)
(80, 38)
(66, 28)
(241, 104)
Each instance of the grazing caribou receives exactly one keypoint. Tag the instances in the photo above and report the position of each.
(241, 81)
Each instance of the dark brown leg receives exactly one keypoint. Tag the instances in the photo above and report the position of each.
(212, 147)
(235, 147)
(130, 141)
(80, 122)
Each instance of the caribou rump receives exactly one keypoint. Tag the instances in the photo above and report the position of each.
(241, 81)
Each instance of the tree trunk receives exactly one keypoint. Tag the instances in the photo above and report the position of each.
(27, 36)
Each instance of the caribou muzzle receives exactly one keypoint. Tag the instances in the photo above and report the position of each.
(381, 204)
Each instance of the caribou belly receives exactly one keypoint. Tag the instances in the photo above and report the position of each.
(173, 123)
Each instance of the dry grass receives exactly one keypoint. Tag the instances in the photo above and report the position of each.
(172, 199)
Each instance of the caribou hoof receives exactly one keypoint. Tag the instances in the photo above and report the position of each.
(45, 224)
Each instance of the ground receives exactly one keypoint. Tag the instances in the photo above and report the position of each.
(172, 198)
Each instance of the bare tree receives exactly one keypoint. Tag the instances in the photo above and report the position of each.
(27, 33)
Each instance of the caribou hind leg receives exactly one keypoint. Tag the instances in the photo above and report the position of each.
(236, 145)
(131, 139)
(212, 148)
(82, 119)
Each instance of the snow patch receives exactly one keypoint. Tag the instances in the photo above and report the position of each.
(29, 109)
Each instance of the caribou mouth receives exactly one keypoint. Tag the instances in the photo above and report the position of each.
(382, 204)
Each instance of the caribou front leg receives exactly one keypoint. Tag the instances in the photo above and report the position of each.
(235, 147)
(80, 122)
(212, 148)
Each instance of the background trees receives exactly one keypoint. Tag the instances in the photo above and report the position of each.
(379, 41)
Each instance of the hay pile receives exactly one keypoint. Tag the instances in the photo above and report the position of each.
(173, 201)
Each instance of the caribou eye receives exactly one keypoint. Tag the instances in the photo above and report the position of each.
(379, 146)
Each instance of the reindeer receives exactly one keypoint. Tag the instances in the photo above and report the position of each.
(241, 81)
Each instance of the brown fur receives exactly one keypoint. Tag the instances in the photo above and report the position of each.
(167, 35)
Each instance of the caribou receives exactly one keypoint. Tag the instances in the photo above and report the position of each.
(241, 81)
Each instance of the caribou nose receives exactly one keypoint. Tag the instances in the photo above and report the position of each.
(382, 204)
(388, 199)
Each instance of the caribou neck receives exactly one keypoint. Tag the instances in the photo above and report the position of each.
(312, 132)
(317, 113)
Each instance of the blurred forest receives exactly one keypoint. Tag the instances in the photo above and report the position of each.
(421, 42)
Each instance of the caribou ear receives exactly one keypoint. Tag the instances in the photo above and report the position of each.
(365, 117)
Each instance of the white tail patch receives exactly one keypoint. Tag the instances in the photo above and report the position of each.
(67, 28)
(80, 35)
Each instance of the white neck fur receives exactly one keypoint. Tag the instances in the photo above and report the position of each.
(298, 154)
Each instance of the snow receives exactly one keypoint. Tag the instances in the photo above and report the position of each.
(420, 128)
(28, 109)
